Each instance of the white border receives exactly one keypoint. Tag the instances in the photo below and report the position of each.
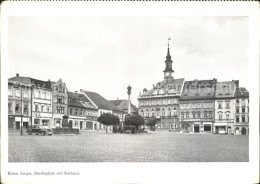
(138, 172)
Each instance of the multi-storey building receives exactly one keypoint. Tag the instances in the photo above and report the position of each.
(224, 106)
(60, 102)
(90, 113)
(241, 104)
(41, 100)
(76, 111)
(19, 103)
(103, 106)
(162, 101)
(197, 106)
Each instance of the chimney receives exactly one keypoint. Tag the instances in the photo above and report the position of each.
(17, 75)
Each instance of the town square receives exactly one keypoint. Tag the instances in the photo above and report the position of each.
(177, 112)
(99, 146)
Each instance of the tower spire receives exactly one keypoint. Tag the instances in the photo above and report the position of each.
(168, 63)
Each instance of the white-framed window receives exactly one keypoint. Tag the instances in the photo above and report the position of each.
(220, 105)
(227, 105)
(17, 93)
(39, 94)
(237, 119)
(227, 116)
(76, 124)
(220, 116)
(25, 94)
(10, 92)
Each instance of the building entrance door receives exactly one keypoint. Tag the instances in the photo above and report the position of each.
(237, 131)
(243, 131)
(17, 125)
(81, 124)
(196, 128)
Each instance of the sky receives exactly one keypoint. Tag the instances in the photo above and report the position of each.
(106, 54)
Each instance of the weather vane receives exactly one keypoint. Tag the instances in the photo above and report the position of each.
(169, 41)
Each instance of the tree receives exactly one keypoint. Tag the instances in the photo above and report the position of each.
(108, 119)
(151, 122)
(134, 120)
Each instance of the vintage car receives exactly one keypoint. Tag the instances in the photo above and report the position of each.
(37, 129)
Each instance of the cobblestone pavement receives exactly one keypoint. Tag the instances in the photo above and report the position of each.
(97, 146)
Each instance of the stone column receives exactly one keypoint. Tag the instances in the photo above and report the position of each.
(129, 101)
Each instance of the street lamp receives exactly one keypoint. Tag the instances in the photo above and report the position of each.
(21, 124)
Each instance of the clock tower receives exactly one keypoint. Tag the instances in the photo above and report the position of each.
(168, 72)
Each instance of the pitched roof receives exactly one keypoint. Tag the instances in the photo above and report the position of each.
(100, 101)
(241, 93)
(225, 89)
(123, 105)
(74, 100)
(167, 86)
(198, 89)
(29, 80)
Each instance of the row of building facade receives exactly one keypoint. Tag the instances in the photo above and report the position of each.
(36, 102)
(196, 106)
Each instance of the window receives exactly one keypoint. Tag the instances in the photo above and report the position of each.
(39, 94)
(17, 93)
(198, 115)
(237, 101)
(17, 107)
(42, 108)
(70, 111)
(227, 116)
(182, 116)
(243, 110)
(10, 92)
(227, 105)
(48, 96)
(48, 108)
(237, 119)
(10, 108)
(243, 102)
(36, 108)
(243, 119)
(219, 116)
(193, 115)
(44, 95)
(210, 115)
(25, 94)
(60, 100)
(169, 113)
(219, 105)
(187, 115)
(25, 108)
(237, 109)
(76, 112)
(76, 124)
(60, 110)
(205, 115)
(81, 112)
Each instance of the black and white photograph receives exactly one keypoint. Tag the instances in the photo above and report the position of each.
(129, 89)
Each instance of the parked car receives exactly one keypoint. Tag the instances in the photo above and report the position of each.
(37, 129)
